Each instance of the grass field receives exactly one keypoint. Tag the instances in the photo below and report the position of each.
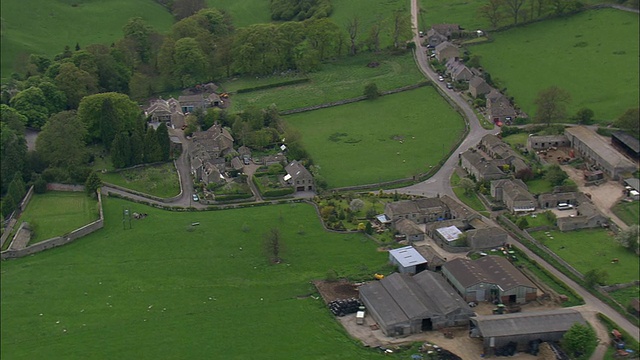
(393, 137)
(462, 12)
(595, 47)
(471, 200)
(629, 212)
(593, 249)
(160, 291)
(516, 139)
(46, 26)
(343, 79)
(539, 186)
(56, 213)
(161, 180)
(624, 296)
(245, 12)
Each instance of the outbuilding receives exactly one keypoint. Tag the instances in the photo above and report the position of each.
(521, 328)
(408, 260)
(402, 304)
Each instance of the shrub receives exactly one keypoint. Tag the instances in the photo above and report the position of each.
(371, 91)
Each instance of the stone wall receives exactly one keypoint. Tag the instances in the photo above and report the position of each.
(12, 221)
(64, 187)
(26, 199)
(60, 240)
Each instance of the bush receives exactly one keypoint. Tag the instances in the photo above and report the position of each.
(371, 91)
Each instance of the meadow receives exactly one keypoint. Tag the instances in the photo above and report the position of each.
(393, 137)
(593, 55)
(343, 79)
(593, 249)
(46, 26)
(629, 212)
(161, 180)
(244, 13)
(56, 213)
(166, 289)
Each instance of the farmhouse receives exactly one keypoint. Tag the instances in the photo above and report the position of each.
(551, 200)
(489, 278)
(481, 168)
(298, 177)
(445, 51)
(408, 260)
(478, 87)
(402, 304)
(167, 111)
(514, 194)
(499, 150)
(457, 70)
(499, 108)
(486, 238)
(426, 210)
(440, 33)
(543, 142)
(599, 152)
(627, 144)
(588, 217)
(189, 103)
(217, 140)
(521, 328)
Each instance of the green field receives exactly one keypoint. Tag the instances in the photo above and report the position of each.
(56, 213)
(624, 296)
(396, 136)
(46, 26)
(539, 186)
(593, 249)
(343, 79)
(161, 181)
(471, 200)
(462, 12)
(629, 212)
(516, 139)
(592, 55)
(158, 290)
(245, 12)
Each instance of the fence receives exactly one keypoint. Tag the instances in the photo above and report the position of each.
(60, 240)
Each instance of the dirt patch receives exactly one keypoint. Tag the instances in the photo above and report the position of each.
(336, 290)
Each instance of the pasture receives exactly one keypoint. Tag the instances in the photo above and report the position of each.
(339, 80)
(245, 12)
(629, 212)
(165, 289)
(160, 180)
(46, 26)
(593, 55)
(393, 137)
(56, 213)
(593, 249)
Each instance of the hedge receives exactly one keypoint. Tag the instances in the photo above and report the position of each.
(229, 197)
(270, 86)
(629, 341)
(278, 192)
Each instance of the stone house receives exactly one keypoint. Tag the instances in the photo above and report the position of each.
(482, 169)
(445, 51)
(440, 33)
(551, 200)
(487, 238)
(409, 229)
(587, 217)
(167, 111)
(498, 149)
(543, 142)
(514, 194)
(457, 70)
(298, 177)
(499, 107)
(478, 87)
(188, 103)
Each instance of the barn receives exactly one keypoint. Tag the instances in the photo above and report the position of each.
(402, 304)
(489, 278)
(521, 328)
(408, 260)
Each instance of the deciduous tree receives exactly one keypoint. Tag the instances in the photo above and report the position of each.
(579, 339)
(493, 12)
(353, 25)
(273, 246)
(127, 112)
(514, 6)
(467, 185)
(551, 105)
(33, 105)
(401, 27)
(93, 183)
(75, 83)
(185, 8)
(13, 151)
(630, 121)
(61, 143)
(630, 238)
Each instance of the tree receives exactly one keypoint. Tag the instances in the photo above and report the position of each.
(162, 133)
(555, 175)
(401, 26)
(467, 185)
(551, 105)
(75, 83)
(368, 229)
(580, 340)
(128, 116)
(109, 123)
(17, 188)
(12, 118)
(190, 62)
(272, 243)
(356, 205)
(514, 8)
(522, 223)
(121, 150)
(493, 12)
(138, 32)
(371, 91)
(525, 174)
(630, 121)
(185, 8)
(373, 39)
(630, 238)
(33, 105)
(584, 116)
(152, 151)
(595, 277)
(353, 24)
(93, 183)
(61, 143)
(13, 152)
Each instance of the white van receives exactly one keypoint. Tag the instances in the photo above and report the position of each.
(564, 206)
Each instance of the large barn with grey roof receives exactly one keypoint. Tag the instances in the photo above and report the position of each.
(489, 278)
(521, 328)
(402, 304)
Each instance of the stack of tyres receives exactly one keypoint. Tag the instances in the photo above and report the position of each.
(344, 307)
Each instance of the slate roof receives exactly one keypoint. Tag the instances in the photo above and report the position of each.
(297, 170)
(407, 227)
(514, 189)
(446, 29)
(530, 322)
(481, 85)
(484, 166)
(488, 269)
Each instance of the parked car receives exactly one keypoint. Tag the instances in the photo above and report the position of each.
(440, 78)
(565, 206)
(246, 161)
(449, 85)
(195, 197)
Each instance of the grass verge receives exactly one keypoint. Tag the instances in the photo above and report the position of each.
(629, 212)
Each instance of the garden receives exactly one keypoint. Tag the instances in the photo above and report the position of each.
(590, 249)
(157, 180)
(158, 288)
(56, 213)
(593, 47)
(393, 137)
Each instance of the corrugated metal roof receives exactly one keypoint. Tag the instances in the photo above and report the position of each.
(450, 233)
(407, 256)
(534, 322)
